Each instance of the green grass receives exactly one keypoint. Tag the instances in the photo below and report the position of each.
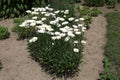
(112, 48)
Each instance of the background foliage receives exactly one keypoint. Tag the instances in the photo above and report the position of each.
(63, 4)
(15, 8)
(95, 2)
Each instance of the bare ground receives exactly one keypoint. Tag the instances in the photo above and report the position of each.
(17, 64)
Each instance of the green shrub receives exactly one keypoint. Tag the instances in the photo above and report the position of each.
(95, 12)
(88, 20)
(4, 32)
(83, 11)
(111, 3)
(95, 2)
(57, 43)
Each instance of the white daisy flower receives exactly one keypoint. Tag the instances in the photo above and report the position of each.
(80, 25)
(71, 19)
(43, 19)
(57, 33)
(33, 24)
(56, 12)
(35, 17)
(52, 43)
(22, 25)
(53, 38)
(66, 12)
(53, 22)
(47, 14)
(82, 19)
(39, 22)
(76, 20)
(64, 23)
(41, 31)
(75, 42)
(58, 37)
(34, 39)
(63, 30)
(83, 42)
(62, 34)
(76, 50)
(76, 30)
(74, 26)
(28, 11)
(67, 39)
(78, 33)
(34, 13)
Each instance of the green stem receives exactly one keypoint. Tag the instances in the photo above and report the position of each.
(63, 77)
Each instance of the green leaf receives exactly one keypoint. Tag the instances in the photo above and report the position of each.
(8, 2)
(25, 6)
(18, 5)
(4, 1)
(4, 7)
(15, 10)
(7, 11)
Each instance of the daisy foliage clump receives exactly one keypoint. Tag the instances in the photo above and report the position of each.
(57, 44)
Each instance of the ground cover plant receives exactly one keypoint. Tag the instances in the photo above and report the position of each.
(112, 50)
(107, 75)
(4, 32)
(57, 42)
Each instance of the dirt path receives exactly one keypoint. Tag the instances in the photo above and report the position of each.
(105, 10)
(93, 52)
(17, 64)
(15, 59)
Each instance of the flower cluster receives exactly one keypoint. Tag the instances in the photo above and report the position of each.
(57, 23)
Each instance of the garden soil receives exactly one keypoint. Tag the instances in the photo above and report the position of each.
(17, 64)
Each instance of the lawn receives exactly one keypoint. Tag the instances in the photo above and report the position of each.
(112, 48)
